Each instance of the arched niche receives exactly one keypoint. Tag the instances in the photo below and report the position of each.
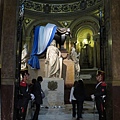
(83, 30)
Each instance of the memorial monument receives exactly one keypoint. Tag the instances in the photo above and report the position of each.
(52, 66)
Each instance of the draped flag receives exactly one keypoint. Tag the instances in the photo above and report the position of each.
(43, 36)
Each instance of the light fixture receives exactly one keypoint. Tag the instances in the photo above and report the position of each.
(85, 42)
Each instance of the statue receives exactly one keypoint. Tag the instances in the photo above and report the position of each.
(43, 36)
(74, 56)
(61, 35)
(53, 61)
(24, 57)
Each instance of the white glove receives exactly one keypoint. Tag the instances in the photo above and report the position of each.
(93, 97)
(32, 96)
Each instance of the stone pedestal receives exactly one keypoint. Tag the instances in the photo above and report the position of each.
(68, 71)
(54, 92)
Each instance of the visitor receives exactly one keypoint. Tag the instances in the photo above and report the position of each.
(79, 94)
(73, 101)
(38, 97)
(24, 96)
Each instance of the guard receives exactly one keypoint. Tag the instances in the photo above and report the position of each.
(100, 94)
(24, 96)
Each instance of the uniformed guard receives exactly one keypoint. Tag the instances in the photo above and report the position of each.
(24, 96)
(100, 94)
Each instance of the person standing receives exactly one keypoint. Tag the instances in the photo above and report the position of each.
(100, 94)
(79, 94)
(38, 96)
(24, 96)
(31, 86)
(73, 100)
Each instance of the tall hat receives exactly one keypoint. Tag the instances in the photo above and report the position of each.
(100, 72)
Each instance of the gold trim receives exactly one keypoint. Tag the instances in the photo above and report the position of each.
(116, 83)
(7, 81)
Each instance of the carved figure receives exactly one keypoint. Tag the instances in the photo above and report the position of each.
(53, 61)
(74, 56)
(24, 56)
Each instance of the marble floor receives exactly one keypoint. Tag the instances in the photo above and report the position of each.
(64, 113)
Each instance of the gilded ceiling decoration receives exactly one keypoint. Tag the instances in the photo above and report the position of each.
(61, 8)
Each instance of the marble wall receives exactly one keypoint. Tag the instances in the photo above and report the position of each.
(112, 23)
(8, 58)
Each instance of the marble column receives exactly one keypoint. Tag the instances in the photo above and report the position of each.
(95, 37)
(112, 19)
(28, 41)
(1, 15)
(8, 58)
(115, 28)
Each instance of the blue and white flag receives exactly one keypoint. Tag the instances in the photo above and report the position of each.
(43, 36)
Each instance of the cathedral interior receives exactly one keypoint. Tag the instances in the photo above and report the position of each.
(94, 26)
(86, 22)
(84, 18)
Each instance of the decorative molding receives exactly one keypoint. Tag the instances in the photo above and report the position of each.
(61, 8)
(27, 21)
(65, 23)
(116, 83)
(85, 23)
(7, 81)
(52, 85)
